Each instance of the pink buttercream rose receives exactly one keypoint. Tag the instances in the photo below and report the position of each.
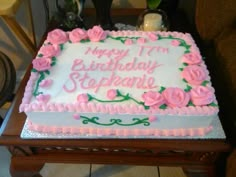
(153, 99)
(175, 97)
(175, 42)
(141, 40)
(77, 35)
(192, 58)
(96, 34)
(194, 74)
(82, 98)
(57, 36)
(201, 95)
(128, 42)
(42, 64)
(111, 94)
(49, 50)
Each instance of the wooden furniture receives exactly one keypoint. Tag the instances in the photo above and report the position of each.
(28, 156)
(7, 80)
(231, 164)
(8, 10)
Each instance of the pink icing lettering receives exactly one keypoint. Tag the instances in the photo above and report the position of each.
(73, 76)
(150, 49)
(83, 81)
(150, 83)
(78, 65)
(112, 53)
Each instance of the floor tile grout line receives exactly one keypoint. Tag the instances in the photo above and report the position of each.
(90, 170)
(158, 171)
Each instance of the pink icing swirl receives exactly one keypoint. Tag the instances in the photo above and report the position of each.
(175, 42)
(153, 99)
(192, 58)
(176, 97)
(57, 36)
(42, 64)
(201, 95)
(141, 40)
(46, 83)
(194, 74)
(152, 118)
(83, 98)
(49, 50)
(111, 94)
(96, 34)
(128, 42)
(152, 36)
(77, 35)
(43, 98)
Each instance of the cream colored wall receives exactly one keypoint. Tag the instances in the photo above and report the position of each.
(10, 45)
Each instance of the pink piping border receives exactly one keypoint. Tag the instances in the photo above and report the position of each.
(119, 131)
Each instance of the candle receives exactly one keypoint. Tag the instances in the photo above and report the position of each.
(152, 22)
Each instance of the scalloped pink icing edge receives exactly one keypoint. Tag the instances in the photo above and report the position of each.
(112, 109)
(119, 131)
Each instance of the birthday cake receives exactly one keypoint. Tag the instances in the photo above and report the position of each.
(119, 83)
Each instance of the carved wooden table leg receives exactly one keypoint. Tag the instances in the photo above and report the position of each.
(24, 163)
(24, 167)
(200, 171)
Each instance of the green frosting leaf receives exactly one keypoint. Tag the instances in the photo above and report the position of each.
(188, 88)
(164, 106)
(61, 46)
(162, 89)
(213, 104)
(204, 83)
(190, 103)
(47, 72)
(34, 70)
(90, 97)
(185, 80)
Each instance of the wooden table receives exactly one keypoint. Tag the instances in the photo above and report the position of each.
(29, 155)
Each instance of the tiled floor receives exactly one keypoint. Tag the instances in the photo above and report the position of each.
(87, 170)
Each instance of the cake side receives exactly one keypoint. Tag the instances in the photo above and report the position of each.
(129, 73)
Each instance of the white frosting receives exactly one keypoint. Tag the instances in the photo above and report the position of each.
(165, 74)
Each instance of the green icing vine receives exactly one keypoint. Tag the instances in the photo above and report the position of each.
(41, 77)
(42, 74)
(122, 39)
(95, 120)
(182, 42)
(123, 98)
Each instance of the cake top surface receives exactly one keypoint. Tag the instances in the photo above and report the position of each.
(146, 71)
